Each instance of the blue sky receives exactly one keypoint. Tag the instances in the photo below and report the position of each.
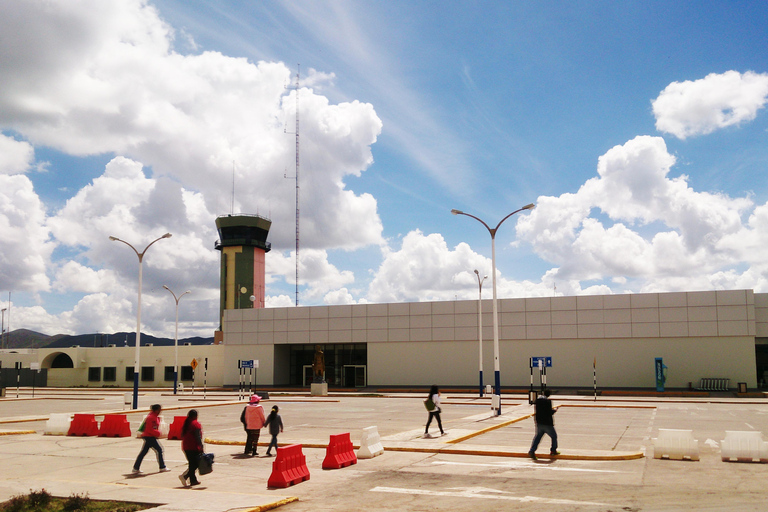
(638, 129)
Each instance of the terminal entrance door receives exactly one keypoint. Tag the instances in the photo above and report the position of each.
(355, 376)
(338, 356)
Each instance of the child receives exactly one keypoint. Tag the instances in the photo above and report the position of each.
(275, 424)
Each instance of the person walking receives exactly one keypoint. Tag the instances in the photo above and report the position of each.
(252, 418)
(192, 445)
(150, 436)
(275, 424)
(433, 407)
(545, 424)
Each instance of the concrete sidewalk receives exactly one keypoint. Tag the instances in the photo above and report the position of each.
(603, 442)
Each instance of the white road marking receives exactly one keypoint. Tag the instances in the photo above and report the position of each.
(476, 493)
(527, 465)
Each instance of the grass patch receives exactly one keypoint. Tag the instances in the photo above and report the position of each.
(42, 501)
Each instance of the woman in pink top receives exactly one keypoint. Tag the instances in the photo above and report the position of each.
(192, 444)
(150, 436)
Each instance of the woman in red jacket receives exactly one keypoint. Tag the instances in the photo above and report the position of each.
(192, 444)
(150, 435)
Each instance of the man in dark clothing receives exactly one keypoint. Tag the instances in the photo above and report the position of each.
(545, 424)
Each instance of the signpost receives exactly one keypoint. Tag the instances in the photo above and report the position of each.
(193, 364)
(542, 363)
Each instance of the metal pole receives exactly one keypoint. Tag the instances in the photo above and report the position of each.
(480, 326)
(496, 370)
(136, 366)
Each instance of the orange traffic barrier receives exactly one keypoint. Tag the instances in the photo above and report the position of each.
(174, 432)
(289, 467)
(340, 452)
(83, 425)
(115, 425)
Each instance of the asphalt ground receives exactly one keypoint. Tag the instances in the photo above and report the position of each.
(606, 461)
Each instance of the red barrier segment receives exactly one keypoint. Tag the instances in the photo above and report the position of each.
(174, 432)
(289, 467)
(340, 452)
(83, 425)
(115, 425)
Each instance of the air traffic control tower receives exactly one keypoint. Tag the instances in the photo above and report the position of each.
(243, 245)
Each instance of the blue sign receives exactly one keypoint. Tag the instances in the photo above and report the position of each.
(661, 378)
(537, 362)
(246, 364)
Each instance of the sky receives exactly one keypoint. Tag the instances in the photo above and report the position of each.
(638, 129)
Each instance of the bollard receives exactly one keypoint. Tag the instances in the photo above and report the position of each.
(340, 453)
(115, 425)
(57, 424)
(289, 467)
(370, 444)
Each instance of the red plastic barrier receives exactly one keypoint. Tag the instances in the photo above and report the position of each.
(289, 467)
(174, 432)
(115, 425)
(83, 425)
(340, 452)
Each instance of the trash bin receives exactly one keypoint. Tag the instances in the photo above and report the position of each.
(127, 400)
(742, 387)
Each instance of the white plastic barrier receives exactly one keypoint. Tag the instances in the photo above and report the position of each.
(744, 447)
(57, 424)
(370, 444)
(676, 445)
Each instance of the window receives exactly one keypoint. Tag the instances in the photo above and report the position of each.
(129, 373)
(110, 374)
(94, 374)
(187, 373)
(147, 373)
(169, 373)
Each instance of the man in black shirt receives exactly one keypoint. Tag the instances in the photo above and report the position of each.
(545, 424)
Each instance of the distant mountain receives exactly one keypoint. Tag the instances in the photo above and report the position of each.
(24, 338)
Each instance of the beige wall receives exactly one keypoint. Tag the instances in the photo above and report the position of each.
(699, 335)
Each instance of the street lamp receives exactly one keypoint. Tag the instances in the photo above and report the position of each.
(492, 231)
(176, 339)
(138, 317)
(480, 324)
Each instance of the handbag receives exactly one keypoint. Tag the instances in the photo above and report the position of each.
(205, 464)
(429, 404)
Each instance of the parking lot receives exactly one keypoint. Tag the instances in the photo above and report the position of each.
(606, 460)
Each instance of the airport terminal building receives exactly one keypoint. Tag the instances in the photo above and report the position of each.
(617, 338)
(710, 334)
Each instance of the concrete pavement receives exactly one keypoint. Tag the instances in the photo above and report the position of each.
(480, 463)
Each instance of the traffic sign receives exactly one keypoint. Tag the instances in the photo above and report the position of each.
(246, 363)
(537, 362)
(193, 364)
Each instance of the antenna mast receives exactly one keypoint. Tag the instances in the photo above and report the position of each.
(296, 177)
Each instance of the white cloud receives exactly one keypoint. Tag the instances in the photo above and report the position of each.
(26, 246)
(716, 101)
(116, 85)
(15, 156)
(657, 228)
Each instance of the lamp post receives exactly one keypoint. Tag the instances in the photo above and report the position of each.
(176, 340)
(480, 324)
(138, 316)
(492, 231)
